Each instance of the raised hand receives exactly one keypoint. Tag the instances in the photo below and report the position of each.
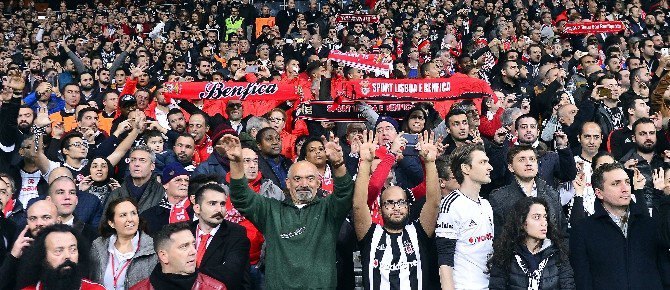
(137, 71)
(658, 177)
(426, 146)
(113, 184)
(86, 183)
(232, 146)
(368, 146)
(21, 244)
(42, 118)
(333, 149)
(638, 179)
(579, 184)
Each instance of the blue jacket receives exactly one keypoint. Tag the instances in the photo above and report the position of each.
(55, 103)
(603, 258)
(212, 166)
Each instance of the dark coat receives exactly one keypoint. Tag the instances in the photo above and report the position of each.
(151, 196)
(213, 166)
(603, 258)
(265, 168)
(158, 216)
(503, 199)
(227, 257)
(556, 275)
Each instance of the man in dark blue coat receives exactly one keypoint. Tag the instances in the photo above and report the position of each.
(619, 246)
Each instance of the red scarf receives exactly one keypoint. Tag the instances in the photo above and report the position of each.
(9, 207)
(178, 211)
(232, 215)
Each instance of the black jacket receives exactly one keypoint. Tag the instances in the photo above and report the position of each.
(158, 216)
(503, 199)
(227, 256)
(603, 258)
(556, 275)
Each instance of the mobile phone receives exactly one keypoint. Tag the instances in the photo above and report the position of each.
(604, 92)
(665, 51)
(410, 147)
(251, 69)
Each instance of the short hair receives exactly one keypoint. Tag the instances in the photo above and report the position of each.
(65, 142)
(62, 91)
(151, 134)
(146, 149)
(463, 155)
(184, 135)
(261, 132)
(581, 129)
(255, 123)
(454, 112)
(200, 180)
(640, 122)
(524, 116)
(163, 238)
(606, 76)
(629, 59)
(204, 116)
(105, 229)
(10, 182)
(516, 149)
(506, 117)
(174, 111)
(599, 155)
(629, 103)
(443, 170)
(83, 111)
(636, 72)
(598, 177)
(210, 186)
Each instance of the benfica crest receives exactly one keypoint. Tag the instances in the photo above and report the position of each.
(365, 87)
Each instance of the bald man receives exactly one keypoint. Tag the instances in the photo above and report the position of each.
(302, 230)
(41, 214)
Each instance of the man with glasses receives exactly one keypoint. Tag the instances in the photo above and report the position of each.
(175, 205)
(396, 255)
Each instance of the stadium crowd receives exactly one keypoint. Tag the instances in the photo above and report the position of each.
(559, 178)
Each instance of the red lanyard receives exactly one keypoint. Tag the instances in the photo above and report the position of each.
(116, 276)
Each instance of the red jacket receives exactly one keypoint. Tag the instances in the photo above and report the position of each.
(85, 285)
(203, 150)
(202, 282)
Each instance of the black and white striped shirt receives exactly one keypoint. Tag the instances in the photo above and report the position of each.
(395, 261)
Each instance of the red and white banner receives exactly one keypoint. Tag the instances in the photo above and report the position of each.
(361, 18)
(594, 27)
(458, 86)
(367, 62)
(230, 91)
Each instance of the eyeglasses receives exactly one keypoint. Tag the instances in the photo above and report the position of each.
(418, 117)
(273, 119)
(390, 204)
(234, 105)
(79, 144)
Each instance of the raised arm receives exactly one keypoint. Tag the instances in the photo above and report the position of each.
(125, 145)
(428, 154)
(361, 211)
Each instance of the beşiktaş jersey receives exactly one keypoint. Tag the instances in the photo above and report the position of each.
(470, 223)
(395, 261)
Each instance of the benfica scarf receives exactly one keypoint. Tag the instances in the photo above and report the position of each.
(458, 86)
(367, 62)
(358, 18)
(231, 91)
(347, 111)
(594, 27)
(178, 211)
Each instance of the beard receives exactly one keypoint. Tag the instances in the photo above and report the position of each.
(66, 276)
(23, 126)
(645, 148)
(392, 224)
(304, 194)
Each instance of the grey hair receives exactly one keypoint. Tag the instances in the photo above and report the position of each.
(506, 117)
(256, 123)
(144, 148)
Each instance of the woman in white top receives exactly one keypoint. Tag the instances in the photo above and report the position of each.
(123, 255)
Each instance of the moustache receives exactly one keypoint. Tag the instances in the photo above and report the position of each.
(218, 215)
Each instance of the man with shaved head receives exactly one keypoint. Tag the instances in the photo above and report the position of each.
(41, 214)
(63, 193)
(302, 230)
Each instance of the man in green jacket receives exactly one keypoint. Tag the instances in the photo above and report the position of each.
(300, 232)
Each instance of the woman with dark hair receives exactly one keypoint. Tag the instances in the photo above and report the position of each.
(123, 255)
(98, 181)
(530, 254)
(416, 121)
